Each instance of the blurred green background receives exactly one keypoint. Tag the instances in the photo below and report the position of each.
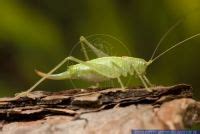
(38, 34)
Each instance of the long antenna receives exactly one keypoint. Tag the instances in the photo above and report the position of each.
(177, 44)
(164, 36)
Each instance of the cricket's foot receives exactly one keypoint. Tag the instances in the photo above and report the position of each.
(22, 94)
(97, 85)
(149, 89)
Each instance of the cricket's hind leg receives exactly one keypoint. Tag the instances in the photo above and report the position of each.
(84, 50)
(97, 52)
(22, 94)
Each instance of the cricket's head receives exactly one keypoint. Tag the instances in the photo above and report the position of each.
(149, 62)
(144, 65)
(139, 64)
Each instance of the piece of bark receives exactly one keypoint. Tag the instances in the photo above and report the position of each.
(100, 111)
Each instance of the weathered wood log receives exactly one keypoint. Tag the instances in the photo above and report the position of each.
(100, 110)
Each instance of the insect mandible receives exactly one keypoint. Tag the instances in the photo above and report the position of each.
(105, 67)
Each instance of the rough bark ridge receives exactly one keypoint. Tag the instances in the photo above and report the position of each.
(100, 110)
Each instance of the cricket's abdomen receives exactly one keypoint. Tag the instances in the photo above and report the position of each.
(83, 72)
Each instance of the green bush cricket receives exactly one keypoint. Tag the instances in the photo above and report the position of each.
(105, 67)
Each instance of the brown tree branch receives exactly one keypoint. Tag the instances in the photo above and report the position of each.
(100, 110)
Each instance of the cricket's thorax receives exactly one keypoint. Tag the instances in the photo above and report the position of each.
(113, 67)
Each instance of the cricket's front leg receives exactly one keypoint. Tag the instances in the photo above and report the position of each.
(147, 81)
(142, 79)
(96, 85)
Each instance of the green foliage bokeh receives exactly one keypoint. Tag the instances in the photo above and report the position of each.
(37, 34)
